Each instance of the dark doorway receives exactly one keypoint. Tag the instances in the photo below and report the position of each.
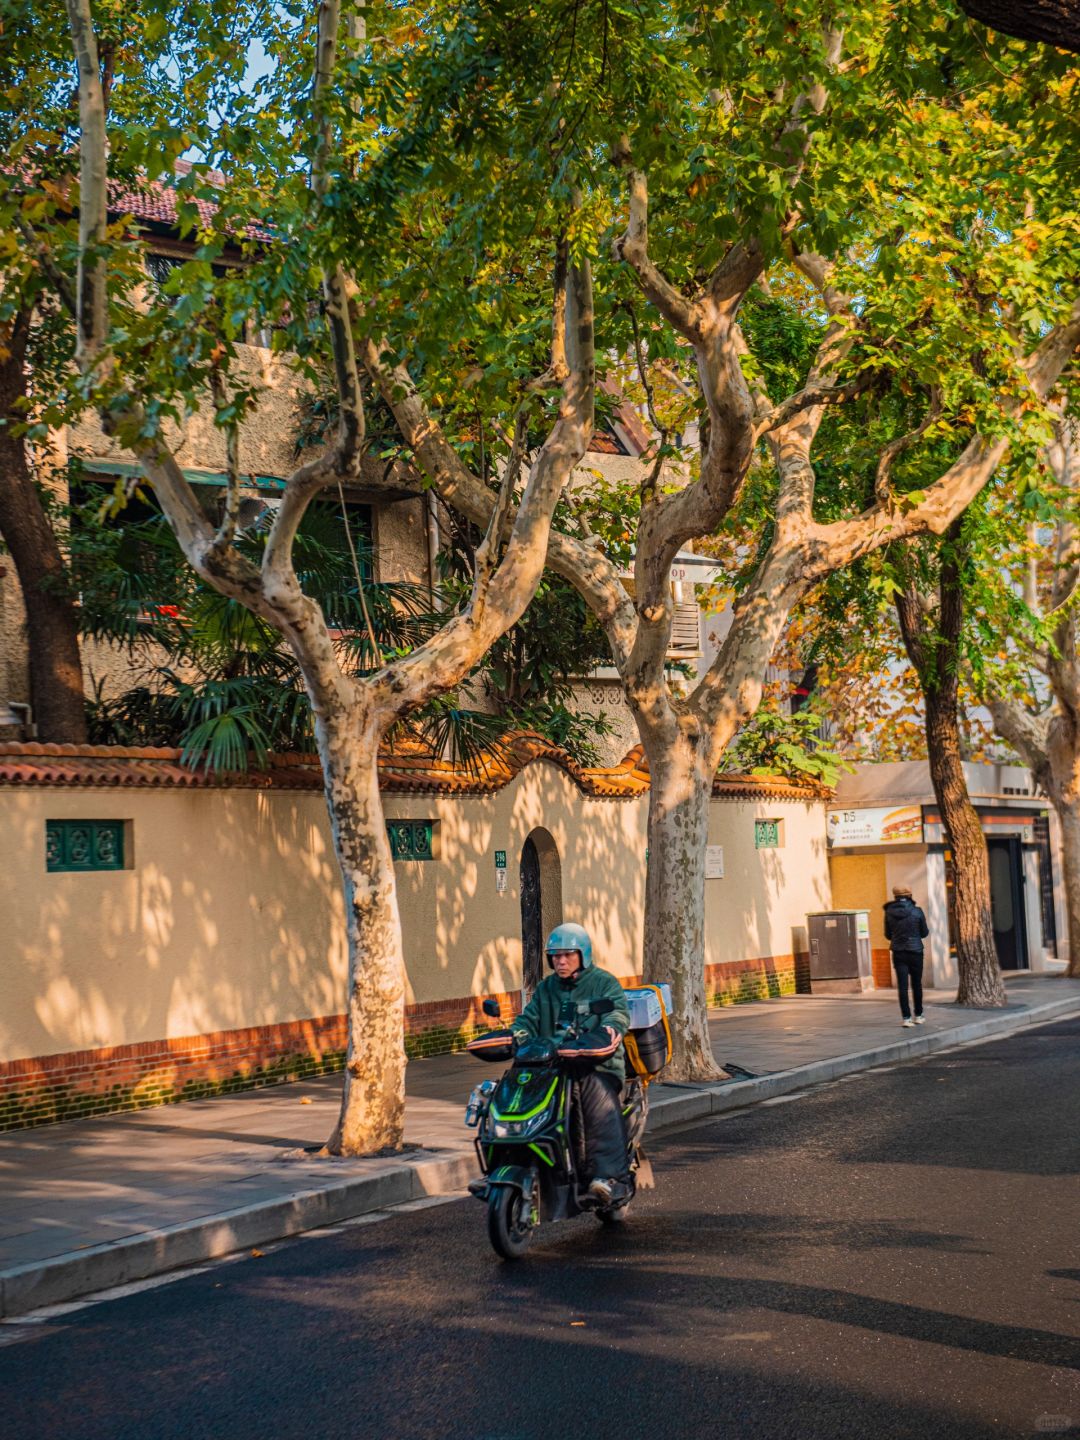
(532, 940)
(1046, 884)
(541, 903)
(1007, 901)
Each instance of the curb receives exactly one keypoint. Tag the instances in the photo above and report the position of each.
(707, 1100)
(211, 1237)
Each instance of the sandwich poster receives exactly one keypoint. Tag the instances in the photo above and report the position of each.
(880, 826)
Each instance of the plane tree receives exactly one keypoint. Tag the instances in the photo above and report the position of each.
(912, 187)
(289, 160)
(1032, 681)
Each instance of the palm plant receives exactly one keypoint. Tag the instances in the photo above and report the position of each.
(213, 679)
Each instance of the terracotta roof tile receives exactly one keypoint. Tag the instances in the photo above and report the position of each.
(410, 771)
(156, 201)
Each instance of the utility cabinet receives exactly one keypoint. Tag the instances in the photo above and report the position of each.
(840, 960)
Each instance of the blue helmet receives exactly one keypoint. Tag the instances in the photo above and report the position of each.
(570, 937)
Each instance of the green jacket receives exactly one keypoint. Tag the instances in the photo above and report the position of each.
(558, 1002)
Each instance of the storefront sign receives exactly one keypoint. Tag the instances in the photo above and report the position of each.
(880, 826)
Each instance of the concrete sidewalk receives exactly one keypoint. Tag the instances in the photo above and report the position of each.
(96, 1203)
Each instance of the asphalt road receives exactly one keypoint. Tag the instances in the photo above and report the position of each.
(897, 1254)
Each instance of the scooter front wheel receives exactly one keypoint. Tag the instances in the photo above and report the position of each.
(610, 1216)
(509, 1223)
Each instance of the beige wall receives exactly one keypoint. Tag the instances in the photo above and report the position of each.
(267, 439)
(859, 882)
(759, 908)
(231, 914)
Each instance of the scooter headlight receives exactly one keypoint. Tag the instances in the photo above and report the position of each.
(516, 1129)
(508, 1129)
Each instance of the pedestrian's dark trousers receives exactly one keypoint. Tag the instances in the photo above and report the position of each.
(908, 965)
(599, 1097)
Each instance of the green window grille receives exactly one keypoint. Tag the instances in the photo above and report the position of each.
(411, 839)
(766, 834)
(84, 844)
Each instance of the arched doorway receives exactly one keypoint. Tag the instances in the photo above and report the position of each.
(541, 903)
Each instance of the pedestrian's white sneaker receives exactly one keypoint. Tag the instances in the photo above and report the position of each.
(908, 1024)
(920, 1019)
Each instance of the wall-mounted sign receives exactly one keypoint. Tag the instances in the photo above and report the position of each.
(500, 859)
(500, 882)
(878, 826)
(714, 862)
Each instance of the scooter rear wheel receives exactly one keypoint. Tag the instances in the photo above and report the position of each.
(509, 1225)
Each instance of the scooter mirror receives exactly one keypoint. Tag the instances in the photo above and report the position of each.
(491, 1007)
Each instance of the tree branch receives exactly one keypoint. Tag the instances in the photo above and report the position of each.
(808, 399)
(583, 565)
(91, 295)
(896, 448)
(60, 282)
(1027, 733)
(500, 600)
(487, 552)
(337, 285)
(845, 540)
(343, 462)
(226, 531)
(633, 247)
(558, 369)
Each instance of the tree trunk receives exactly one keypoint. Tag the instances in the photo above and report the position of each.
(56, 678)
(1070, 855)
(935, 655)
(980, 980)
(680, 787)
(1064, 789)
(373, 1097)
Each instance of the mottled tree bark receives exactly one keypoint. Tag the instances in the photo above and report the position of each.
(56, 678)
(933, 647)
(1066, 798)
(352, 714)
(680, 789)
(1049, 745)
(1047, 736)
(373, 1097)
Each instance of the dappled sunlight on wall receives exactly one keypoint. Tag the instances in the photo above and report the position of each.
(85, 1014)
(764, 895)
(233, 916)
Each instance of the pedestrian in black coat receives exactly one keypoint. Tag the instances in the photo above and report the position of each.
(906, 929)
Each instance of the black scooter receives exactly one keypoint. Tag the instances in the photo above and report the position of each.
(527, 1140)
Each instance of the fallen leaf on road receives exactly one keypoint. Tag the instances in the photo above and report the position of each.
(258, 1254)
(306, 1100)
(577, 1322)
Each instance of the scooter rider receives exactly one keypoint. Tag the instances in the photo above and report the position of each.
(563, 998)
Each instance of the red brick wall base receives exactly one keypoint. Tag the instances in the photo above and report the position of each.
(84, 1083)
(738, 981)
(883, 971)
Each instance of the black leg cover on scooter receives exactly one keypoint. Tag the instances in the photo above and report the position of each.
(605, 1137)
